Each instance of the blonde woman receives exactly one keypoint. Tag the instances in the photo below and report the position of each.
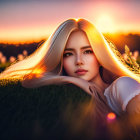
(78, 53)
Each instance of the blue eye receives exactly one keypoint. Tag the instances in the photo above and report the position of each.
(67, 54)
(88, 52)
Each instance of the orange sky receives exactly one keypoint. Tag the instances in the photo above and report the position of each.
(33, 20)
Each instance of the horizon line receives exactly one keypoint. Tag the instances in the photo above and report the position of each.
(30, 41)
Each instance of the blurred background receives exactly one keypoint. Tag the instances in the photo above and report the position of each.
(25, 24)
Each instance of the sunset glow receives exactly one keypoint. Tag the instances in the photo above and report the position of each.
(25, 34)
(105, 23)
(27, 21)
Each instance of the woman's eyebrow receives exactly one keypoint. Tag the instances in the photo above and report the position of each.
(86, 47)
(71, 49)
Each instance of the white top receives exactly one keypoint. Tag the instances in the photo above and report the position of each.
(120, 92)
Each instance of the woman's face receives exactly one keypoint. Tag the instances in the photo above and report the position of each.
(79, 59)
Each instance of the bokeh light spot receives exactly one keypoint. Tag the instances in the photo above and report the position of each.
(111, 116)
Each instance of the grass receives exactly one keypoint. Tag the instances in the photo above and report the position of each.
(138, 60)
(3, 66)
(52, 112)
(37, 113)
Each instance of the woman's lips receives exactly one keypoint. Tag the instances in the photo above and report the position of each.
(81, 72)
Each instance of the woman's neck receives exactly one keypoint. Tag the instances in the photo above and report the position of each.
(99, 82)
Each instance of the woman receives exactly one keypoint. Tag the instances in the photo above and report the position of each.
(78, 53)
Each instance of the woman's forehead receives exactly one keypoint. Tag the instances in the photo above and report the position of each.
(77, 32)
(82, 48)
(77, 38)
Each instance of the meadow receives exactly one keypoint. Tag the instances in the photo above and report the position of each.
(48, 112)
(55, 112)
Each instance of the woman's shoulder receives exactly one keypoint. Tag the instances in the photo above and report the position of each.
(123, 82)
(122, 87)
(120, 92)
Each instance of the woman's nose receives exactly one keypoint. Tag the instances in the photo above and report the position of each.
(79, 60)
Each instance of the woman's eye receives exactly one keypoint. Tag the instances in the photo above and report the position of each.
(88, 52)
(67, 54)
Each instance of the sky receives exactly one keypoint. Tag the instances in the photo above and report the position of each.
(31, 20)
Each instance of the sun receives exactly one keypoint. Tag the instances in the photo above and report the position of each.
(105, 23)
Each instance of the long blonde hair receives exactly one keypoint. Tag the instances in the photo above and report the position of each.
(47, 61)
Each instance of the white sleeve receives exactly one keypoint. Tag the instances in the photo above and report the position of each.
(121, 92)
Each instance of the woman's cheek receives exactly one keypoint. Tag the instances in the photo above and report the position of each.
(91, 60)
(67, 64)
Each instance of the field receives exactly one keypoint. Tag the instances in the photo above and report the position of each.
(45, 112)
(53, 112)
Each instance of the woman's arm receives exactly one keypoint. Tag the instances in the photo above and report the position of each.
(133, 113)
(35, 82)
(133, 106)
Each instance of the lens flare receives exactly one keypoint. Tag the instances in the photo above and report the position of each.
(111, 116)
